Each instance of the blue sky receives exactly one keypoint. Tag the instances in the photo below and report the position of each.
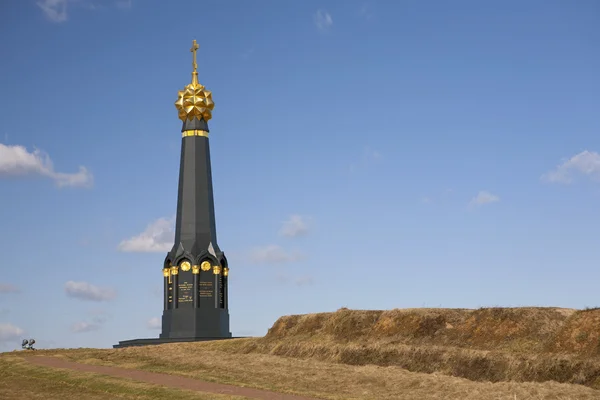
(371, 155)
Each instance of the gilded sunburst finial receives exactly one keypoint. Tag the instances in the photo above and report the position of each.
(194, 101)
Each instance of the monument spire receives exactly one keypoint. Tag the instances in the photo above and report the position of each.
(195, 272)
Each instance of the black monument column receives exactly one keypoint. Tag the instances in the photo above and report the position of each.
(195, 271)
(196, 263)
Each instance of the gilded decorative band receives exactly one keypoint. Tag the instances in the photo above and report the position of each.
(195, 133)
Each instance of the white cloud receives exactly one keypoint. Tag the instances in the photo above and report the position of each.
(55, 10)
(586, 163)
(273, 254)
(17, 161)
(9, 332)
(484, 197)
(80, 327)
(295, 226)
(154, 323)
(322, 20)
(8, 288)
(158, 237)
(86, 291)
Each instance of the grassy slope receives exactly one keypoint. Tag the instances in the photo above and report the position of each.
(222, 362)
(20, 380)
(493, 344)
(369, 354)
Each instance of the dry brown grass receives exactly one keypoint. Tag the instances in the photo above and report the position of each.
(488, 344)
(19, 380)
(221, 362)
(508, 354)
(519, 329)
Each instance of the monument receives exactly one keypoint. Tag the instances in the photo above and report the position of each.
(195, 271)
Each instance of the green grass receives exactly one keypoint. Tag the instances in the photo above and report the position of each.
(20, 380)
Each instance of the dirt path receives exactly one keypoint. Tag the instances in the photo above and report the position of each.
(177, 382)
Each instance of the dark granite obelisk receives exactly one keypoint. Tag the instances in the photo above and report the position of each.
(195, 271)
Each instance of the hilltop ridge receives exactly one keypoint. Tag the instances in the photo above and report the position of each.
(488, 344)
(523, 329)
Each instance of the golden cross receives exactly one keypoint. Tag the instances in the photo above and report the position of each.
(195, 47)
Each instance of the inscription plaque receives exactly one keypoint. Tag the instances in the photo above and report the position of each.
(185, 292)
(206, 289)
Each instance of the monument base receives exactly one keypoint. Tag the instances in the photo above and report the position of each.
(151, 342)
(203, 322)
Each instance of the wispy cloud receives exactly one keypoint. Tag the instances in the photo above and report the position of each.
(295, 225)
(80, 327)
(484, 197)
(274, 254)
(8, 288)
(17, 161)
(98, 318)
(89, 292)
(158, 237)
(154, 323)
(366, 12)
(586, 163)
(322, 20)
(54, 10)
(58, 10)
(9, 332)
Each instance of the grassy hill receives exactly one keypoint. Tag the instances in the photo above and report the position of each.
(489, 353)
(488, 344)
